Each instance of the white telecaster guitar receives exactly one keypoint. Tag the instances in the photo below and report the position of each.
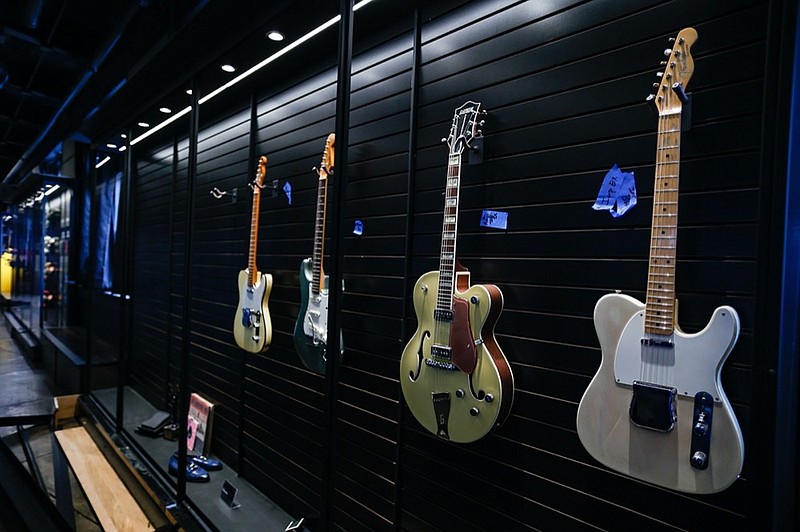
(656, 409)
(252, 327)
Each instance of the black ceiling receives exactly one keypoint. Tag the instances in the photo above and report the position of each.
(85, 68)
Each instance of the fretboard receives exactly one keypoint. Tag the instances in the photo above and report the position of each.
(319, 233)
(660, 305)
(447, 258)
(252, 271)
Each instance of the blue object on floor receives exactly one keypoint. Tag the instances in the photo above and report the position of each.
(206, 462)
(194, 473)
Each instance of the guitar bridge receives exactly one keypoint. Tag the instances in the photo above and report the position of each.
(251, 318)
(653, 406)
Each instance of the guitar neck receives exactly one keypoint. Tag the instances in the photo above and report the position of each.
(660, 304)
(319, 233)
(252, 271)
(447, 257)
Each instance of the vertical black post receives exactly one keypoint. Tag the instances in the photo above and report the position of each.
(168, 326)
(125, 289)
(337, 240)
(183, 406)
(407, 280)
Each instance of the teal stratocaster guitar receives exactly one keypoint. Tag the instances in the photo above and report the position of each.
(311, 328)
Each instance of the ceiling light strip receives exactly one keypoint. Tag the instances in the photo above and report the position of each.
(283, 51)
(162, 125)
(101, 163)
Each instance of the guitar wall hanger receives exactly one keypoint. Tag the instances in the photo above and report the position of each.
(234, 192)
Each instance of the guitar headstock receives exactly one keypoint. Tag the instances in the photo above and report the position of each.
(261, 172)
(464, 128)
(678, 69)
(328, 157)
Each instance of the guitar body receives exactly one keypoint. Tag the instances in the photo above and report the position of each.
(442, 399)
(252, 327)
(311, 327)
(604, 423)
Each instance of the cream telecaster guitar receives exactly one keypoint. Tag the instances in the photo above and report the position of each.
(311, 327)
(252, 328)
(656, 410)
(454, 376)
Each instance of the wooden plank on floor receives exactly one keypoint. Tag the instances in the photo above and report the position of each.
(115, 507)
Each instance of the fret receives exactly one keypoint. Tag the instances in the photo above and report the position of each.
(660, 301)
(447, 254)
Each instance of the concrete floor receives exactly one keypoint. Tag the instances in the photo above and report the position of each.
(20, 383)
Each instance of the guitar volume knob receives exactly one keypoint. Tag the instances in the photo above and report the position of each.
(474, 300)
(489, 398)
(474, 411)
(459, 393)
(699, 459)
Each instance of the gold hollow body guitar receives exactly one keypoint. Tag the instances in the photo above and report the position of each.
(454, 376)
(252, 328)
(655, 409)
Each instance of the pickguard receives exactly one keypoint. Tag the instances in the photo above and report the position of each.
(691, 364)
(315, 322)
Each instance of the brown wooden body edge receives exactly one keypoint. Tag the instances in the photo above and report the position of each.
(490, 342)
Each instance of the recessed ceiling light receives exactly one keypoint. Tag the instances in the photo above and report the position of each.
(144, 124)
(112, 146)
(123, 148)
(165, 110)
(283, 51)
(123, 135)
(189, 92)
(228, 68)
(52, 189)
(275, 36)
(101, 163)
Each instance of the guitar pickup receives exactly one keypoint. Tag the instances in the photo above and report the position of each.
(443, 315)
(658, 342)
(441, 351)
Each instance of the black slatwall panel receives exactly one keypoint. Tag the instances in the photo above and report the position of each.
(564, 88)
(564, 83)
(368, 389)
(150, 278)
(282, 431)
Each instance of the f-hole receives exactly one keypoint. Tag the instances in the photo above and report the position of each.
(420, 355)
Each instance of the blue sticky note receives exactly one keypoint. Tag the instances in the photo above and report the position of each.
(617, 193)
(358, 228)
(287, 188)
(494, 219)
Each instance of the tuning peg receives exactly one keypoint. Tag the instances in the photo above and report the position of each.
(679, 90)
(313, 168)
(680, 41)
(443, 140)
(481, 123)
(663, 63)
(668, 52)
(655, 85)
(671, 39)
(659, 74)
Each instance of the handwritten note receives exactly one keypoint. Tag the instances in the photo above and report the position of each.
(617, 193)
(494, 219)
(287, 188)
